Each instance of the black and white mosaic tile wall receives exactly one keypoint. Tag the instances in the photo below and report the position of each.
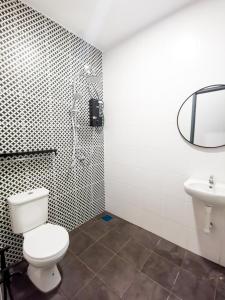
(39, 60)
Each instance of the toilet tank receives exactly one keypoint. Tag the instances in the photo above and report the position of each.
(28, 209)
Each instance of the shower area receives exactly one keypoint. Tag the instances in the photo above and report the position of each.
(87, 140)
(53, 77)
(86, 84)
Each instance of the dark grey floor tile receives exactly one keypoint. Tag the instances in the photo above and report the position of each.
(96, 256)
(74, 276)
(221, 286)
(98, 219)
(118, 275)
(159, 293)
(173, 297)
(98, 229)
(22, 288)
(219, 296)
(20, 267)
(114, 240)
(170, 251)
(79, 242)
(146, 238)
(74, 231)
(142, 236)
(201, 267)
(68, 257)
(96, 290)
(161, 270)
(127, 228)
(190, 287)
(144, 288)
(49, 296)
(87, 224)
(134, 253)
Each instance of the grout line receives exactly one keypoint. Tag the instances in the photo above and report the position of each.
(158, 242)
(94, 220)
(139, 243)
(166, 259)
(182, 264)
(61, 292)
(84, 286)
(97, 274)
(124, 245)
(126, 262)
(130, 263)
(108, 287)
(132, 281)
(105, 233)
(172, 294)
(106, 247)
(89, 281)
(80, 260)
(216, 286)
(136, 269)
(111, 258)
(94, 242)
(175, 280)
(150, 253)
(169, 291)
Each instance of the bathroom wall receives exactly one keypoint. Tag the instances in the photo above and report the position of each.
(39, 60)
(146, 79)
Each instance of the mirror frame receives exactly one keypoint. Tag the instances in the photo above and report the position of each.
(193, 144)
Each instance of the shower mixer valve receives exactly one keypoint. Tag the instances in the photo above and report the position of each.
(96, 112)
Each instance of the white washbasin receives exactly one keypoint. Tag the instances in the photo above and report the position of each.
(200, 190)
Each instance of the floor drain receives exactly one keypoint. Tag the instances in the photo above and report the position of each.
(107, 218)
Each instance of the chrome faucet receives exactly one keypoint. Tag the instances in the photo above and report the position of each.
(211, 181)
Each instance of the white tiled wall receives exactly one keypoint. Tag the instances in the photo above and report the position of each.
(146, 79)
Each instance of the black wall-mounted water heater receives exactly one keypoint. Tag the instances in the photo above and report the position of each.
(96, 113)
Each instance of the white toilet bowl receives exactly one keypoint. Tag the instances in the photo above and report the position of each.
(43, 247)
(44, 244)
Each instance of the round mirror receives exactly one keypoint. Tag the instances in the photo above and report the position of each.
(201, 118)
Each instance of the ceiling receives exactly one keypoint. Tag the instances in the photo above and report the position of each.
(105, 23)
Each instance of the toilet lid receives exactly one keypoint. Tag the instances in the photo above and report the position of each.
(45, 241)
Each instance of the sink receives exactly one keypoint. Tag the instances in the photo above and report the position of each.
(200, 190)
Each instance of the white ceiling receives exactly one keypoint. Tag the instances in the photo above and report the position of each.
(105, 23)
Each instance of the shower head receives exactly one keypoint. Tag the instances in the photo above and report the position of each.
(88, 69)
(93, 79)
(77, 96)
(88, 73)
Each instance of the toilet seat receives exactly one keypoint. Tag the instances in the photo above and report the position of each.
(45, 243)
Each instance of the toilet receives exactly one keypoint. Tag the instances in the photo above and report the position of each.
(44, 244)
